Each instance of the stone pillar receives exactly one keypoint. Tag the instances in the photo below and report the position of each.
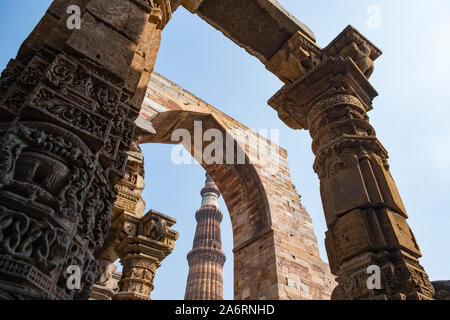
(364, 212)
(68, 103)
(206, 259)
(106, 285)
(140, 241)
(141, 253)
(137, 277)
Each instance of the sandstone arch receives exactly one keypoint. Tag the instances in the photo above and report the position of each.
(263, 204)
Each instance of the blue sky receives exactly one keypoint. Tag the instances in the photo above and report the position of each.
(411, 115)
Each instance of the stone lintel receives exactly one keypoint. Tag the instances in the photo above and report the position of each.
(192, 5)
(259, 26)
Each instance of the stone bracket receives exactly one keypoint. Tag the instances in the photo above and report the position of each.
(297, 57)
(351, 43)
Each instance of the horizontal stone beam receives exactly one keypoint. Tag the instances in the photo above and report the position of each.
(261, 27)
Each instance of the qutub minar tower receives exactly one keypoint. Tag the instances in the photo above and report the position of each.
(206, 258)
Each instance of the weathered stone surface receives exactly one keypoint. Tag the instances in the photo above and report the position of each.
(107, 284)
(192, 5)
(298, 56)
(140, 241)
(66, 124)
(442, 289)
(259, 26)
(59, 8)
(102, 44)
(122, 15)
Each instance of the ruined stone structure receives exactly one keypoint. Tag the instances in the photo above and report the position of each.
(272, 232)
(442, 289)
(107, 285)
(68, 105)
(140, 241)
(206, 259)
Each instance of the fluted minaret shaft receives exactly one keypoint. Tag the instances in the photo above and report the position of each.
(206, 259)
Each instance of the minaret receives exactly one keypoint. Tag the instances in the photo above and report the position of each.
(206, 258)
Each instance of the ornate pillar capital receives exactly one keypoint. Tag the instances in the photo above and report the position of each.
(300, 54)
(303, 65)
(351, 43)
(334, 81)
(157, 226)
(144, 244)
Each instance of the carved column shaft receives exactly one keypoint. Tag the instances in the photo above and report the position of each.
(68, 103)
(137, 277)
(364, 212)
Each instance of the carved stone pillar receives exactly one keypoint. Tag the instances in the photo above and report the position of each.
(364, 212)
(68, 103)
(106, 285)
(129, 206)
(140, 241)
(141, 253)
(137, 277)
